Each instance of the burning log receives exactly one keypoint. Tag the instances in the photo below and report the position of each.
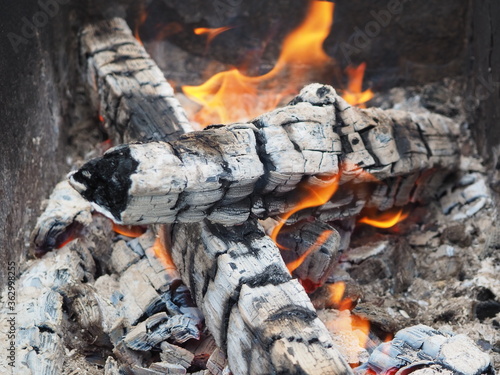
(139, 303)
(223, 176)
(255, 310)
(226, 174)
(133, 97)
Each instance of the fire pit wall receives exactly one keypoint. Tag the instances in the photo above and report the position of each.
(403, 42)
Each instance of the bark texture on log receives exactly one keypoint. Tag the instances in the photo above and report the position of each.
(227, 173)
(255, 310)
(129, 89)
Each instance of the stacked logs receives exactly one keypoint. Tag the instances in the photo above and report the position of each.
(211, 186)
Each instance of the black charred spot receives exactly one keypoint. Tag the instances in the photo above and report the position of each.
(107, 179)
(322, 91)
(293, 312)
(272, 274)
(487, 309)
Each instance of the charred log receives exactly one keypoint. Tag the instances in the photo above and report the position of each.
(226, 174)
(127, 87)
(136, 103)
(257, 313)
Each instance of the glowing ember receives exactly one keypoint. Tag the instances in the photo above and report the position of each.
(232, 96)
(65, 241)
(351, 325)
(129, 230)
(315, 196)
(292, 266)
(72, 232)
(354, 94)
(361, 328)
(211, 33)
(385, 220)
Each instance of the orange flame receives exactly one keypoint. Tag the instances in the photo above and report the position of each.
(292, 266)
(386, 220)
(129, 230)
(336, 292)
(337, 300)
(316, 196)
(211, 33)
(163, 254)
(142, 17)
(232, 96)
(354, 93)
(359, 326)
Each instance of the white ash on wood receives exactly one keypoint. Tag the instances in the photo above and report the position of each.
(42, 325)
(257, 313)
(387, 196)
(66, 213)
(424, 350)
(226, 174)
(137, 104)
(141, 285)
(127, 87)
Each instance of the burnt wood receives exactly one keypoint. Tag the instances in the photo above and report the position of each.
(257, 313)
(227, 174)
(142, 304)
(136, 103)
(127, 87)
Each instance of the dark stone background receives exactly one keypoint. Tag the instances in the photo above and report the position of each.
(31, 150)
(483, 73)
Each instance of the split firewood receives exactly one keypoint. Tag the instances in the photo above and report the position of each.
(256, 312)
(227, 174)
